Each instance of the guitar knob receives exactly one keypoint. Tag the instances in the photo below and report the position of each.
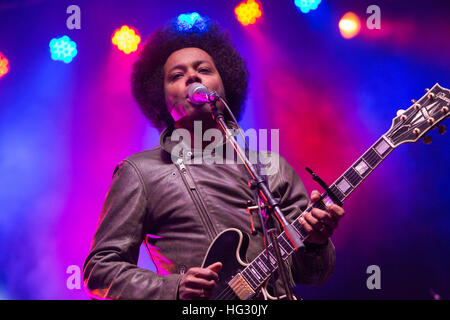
(427, 140)
(413, 100)
(442, 129)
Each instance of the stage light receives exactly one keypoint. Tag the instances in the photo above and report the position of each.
(191, 22)
(248, 12)
(63, 49)
(349, 25)
(4, 65)
(307, 5)
(126, 39)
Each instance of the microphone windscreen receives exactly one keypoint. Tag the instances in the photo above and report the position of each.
(197, 88)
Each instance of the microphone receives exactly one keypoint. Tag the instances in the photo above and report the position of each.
(199, 94)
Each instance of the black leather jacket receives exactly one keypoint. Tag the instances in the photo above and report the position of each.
(178, 211)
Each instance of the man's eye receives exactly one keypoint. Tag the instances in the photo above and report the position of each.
(175, 76)
(204, 70)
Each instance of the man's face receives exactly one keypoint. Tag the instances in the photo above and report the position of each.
(183, 68)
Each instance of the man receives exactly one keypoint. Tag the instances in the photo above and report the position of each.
(178, 208)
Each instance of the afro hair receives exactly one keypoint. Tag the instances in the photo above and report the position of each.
(147, 79)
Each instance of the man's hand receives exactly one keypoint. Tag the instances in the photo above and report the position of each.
(198, 283)
(321, 224)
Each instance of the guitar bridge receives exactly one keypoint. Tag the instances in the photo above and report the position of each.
(241, 287)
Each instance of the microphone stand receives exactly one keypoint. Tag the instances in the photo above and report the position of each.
(260, 185)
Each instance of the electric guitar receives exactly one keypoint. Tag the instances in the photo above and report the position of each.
(242, 280)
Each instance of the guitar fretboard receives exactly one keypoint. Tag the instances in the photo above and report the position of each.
(260, 269)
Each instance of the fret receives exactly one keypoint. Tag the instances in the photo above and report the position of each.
(382, 148)
(250, 278)
(321, 205)
(258, 269)
(255, 273)
(298, 227)
(272, 259)
(372, 158)
(337, 192)
(283, 244)
(263, 267)
(289, 247)
(353, 177)
(362, 168)
(283, 252)
(344, 186)
(266, 261)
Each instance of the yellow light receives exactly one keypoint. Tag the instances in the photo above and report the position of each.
(349, 25)
(126, 39)
(4, 65)
(248, 12)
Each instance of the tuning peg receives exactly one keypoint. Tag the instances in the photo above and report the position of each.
(427, 140)
(427, 89)
(413, 100)
(400, 112)
(442, 129)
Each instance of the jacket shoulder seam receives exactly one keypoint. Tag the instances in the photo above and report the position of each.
(139, 174)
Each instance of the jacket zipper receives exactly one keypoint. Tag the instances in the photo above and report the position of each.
(195, 195)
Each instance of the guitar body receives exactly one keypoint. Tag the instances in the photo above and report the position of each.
(229, 247)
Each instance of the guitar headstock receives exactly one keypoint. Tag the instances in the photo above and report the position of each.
(425, 114)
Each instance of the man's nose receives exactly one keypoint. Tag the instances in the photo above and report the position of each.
(193, 77)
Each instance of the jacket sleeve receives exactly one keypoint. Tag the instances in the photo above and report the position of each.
(310, 265)
(110, 270)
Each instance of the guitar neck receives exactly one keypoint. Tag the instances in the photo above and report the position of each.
(260, 269)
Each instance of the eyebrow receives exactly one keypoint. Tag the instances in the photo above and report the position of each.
(182, 66)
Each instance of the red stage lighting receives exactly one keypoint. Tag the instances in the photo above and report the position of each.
(126, 39)
(248, 12)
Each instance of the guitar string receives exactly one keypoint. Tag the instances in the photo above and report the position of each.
(226, 293)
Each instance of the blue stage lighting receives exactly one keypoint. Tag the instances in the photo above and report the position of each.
(63, 49)
(307, 5)
(191, 22)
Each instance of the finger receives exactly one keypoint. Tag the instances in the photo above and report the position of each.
(308, 228)
(312, 221)
(315, 196)
(203, 273)
(215, 267)
(320, 214)
(325, 218)
(336, 211)
(322, 229)
(199, 283)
